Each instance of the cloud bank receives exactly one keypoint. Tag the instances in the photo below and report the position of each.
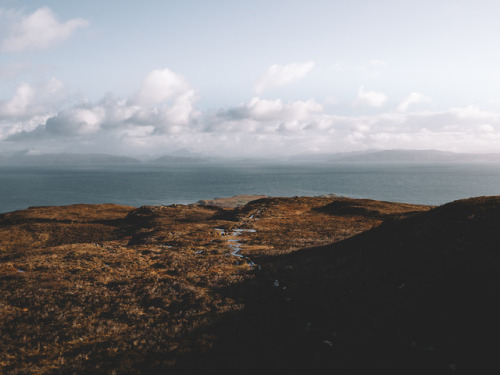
(413, 98)
(161, 116)
(369, 98)
(39, 30)
(164, 104)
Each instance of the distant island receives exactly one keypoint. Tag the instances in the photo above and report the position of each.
(419, 156)
(251, 284)
(27, 158)
(65, 159)
(177, 159)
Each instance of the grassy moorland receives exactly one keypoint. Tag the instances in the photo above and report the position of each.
(284, 285)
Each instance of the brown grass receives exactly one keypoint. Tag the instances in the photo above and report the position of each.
(113, 289)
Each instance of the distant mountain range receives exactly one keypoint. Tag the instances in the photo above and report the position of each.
(25, 158)
(181, 156)
(419, 156)
(166, 159)
(64, 159)
(392, 156)
(28, 158)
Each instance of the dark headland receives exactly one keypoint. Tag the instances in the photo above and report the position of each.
(302, 285)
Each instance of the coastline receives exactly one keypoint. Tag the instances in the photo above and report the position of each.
(419, 183)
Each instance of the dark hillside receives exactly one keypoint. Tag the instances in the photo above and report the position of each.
(302, 285)
(415, 296)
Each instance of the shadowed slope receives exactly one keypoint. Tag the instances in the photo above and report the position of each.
(409, 297)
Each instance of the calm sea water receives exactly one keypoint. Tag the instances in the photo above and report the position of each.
(427, 183)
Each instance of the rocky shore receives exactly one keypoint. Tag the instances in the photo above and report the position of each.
(249, 285)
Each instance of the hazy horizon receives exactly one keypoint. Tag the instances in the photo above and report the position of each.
(182, 156)
(249, 79)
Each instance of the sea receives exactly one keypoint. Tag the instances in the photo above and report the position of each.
(143, 184)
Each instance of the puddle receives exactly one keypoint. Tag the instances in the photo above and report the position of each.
(276, 284)
(327, 342)
(244, 230)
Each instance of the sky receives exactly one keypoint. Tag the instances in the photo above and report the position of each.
(249, 78)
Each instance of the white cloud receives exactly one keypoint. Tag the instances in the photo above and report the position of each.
(413, 98)
(277, 110)
(39, 30)
(315, 130)
(257, 127)
(162, 116)
(370, 98)
(280, 75)
(28, 101)
(474, 113)
(165, 100)
(24, 112)
(266, 117)
(20, 102)
(163, 105)
(161, 85)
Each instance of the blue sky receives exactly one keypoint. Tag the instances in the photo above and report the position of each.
(261, 77)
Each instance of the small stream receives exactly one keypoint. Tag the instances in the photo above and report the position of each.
(235, 244)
